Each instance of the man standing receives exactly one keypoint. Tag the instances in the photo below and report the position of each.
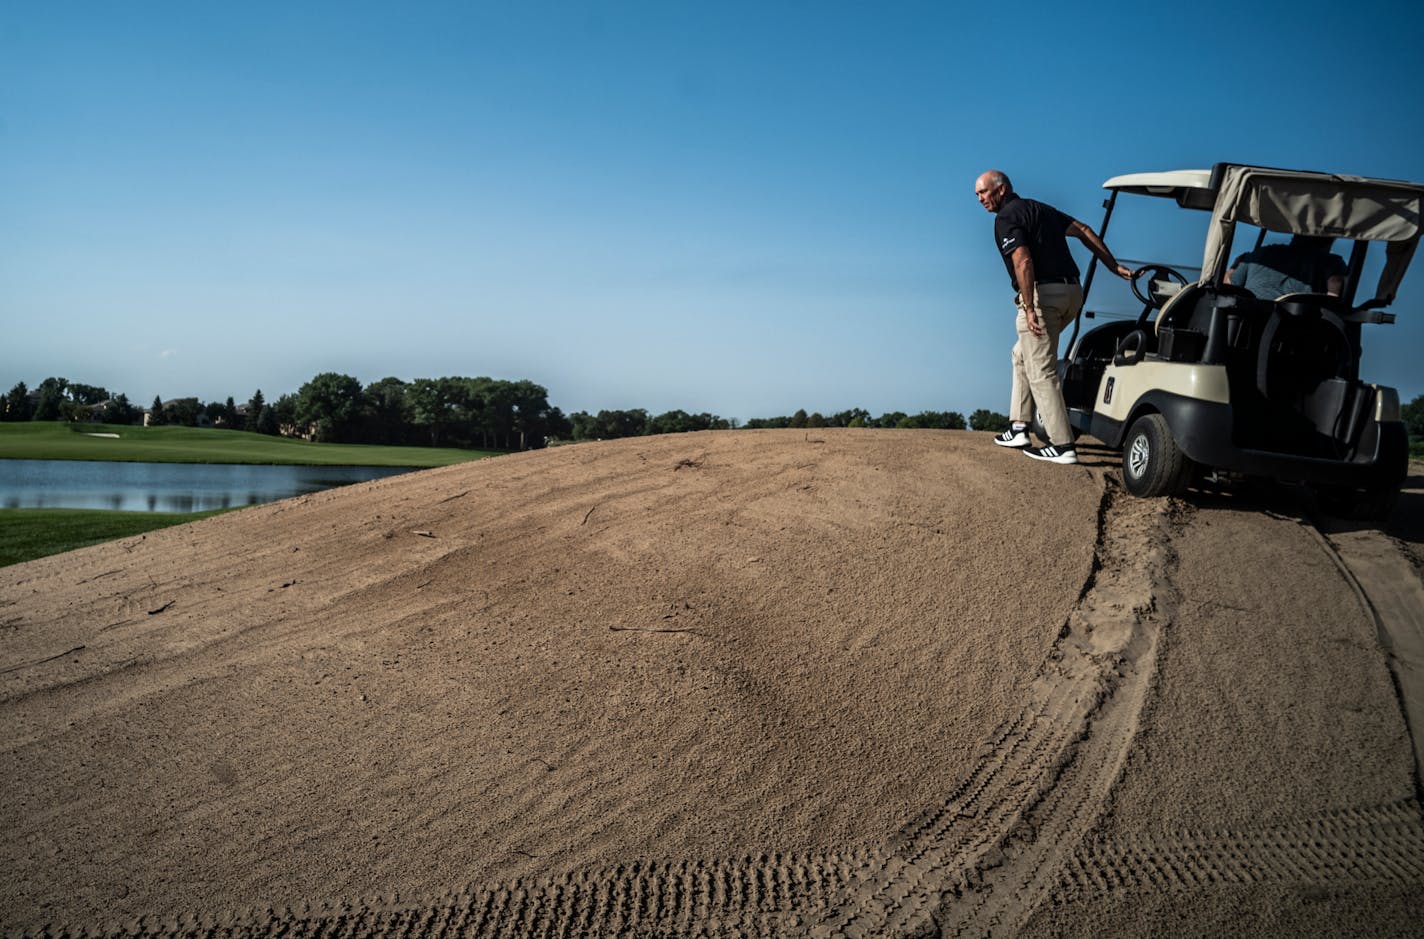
(1032, 240)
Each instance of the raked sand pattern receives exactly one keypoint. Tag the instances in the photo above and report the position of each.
(820, 683)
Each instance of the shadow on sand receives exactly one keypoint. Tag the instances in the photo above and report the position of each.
(1405, 522)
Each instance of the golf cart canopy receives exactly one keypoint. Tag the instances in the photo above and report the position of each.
(1300, 203)
(1293, 203)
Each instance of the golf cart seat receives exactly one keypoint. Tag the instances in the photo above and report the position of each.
(1305, 369)
(1305, 304)
(1302, 345)
(1100, 346)
(1204, 322)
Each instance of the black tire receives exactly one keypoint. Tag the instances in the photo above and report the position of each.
(1036, 426)
(1152, 463)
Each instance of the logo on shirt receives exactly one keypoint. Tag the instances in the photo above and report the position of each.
(1006, 242)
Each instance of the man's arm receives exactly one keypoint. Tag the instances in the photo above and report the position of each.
(1023, 274)
(1095, 244)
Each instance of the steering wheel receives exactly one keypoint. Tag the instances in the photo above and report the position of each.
(1154, 298)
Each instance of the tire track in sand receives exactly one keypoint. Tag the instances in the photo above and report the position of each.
(1389, 589)
(987, 855)
(1383, 844)
(752, 897)
(1341, 848)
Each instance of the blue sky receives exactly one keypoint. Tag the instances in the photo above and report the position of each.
(742, 208)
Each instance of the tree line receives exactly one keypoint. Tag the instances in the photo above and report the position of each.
(981, 419)
(480, 412)
(453, 411)
(638, 422)
(487, 413)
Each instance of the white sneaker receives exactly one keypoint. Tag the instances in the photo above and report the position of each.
(1012, 438)
(1053, 454)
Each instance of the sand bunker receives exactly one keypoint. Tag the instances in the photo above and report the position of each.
(750, 683)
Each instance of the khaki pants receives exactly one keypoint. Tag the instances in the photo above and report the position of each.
(1036, 360)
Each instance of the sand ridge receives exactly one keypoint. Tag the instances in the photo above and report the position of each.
(616, 676)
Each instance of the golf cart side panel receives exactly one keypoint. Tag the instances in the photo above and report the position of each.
(1122, 386)
(1207, 422)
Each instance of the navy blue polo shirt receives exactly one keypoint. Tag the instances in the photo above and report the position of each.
(1040, 228)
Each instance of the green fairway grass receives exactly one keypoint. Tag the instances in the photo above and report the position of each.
(53, 440)
(26, 534)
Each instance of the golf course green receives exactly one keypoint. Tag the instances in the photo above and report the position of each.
(26, 534)
(53, 440)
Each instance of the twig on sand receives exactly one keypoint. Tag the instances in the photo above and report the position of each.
(652, 629)
(60, 655)
(454, 497)
(587, 514)
(97, 576)
(423, 534)
(164, 607)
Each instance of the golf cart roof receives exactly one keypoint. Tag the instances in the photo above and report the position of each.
(1192, 189)
(1292, 202)
(1330, 205)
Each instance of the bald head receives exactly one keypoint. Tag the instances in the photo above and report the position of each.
(995, 178)
(992, 187)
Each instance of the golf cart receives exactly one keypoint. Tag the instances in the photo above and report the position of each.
(1210, 378)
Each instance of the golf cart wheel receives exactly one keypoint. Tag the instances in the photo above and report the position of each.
(1040, 430)
(1036, 426)
(1152, 463)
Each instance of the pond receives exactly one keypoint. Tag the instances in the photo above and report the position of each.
(166, 487)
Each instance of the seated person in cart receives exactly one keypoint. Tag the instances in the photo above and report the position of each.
(1305, 265)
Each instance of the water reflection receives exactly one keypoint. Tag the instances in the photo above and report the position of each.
(166, 487)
